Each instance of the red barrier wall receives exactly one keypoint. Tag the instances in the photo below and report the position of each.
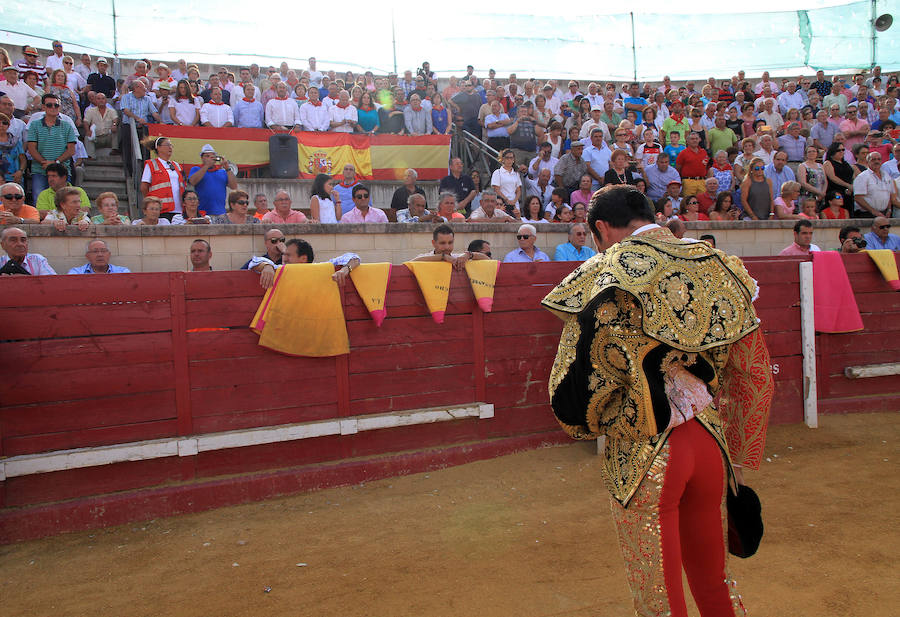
(107, 360)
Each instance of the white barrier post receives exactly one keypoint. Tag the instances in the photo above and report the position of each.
(808, 343)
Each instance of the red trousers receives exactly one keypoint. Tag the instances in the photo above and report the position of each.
(677, 519)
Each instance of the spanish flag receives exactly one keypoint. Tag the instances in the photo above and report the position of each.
(434, 281)
(482, 276)
(371, 281)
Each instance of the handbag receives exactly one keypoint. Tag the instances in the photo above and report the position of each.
(745, 525)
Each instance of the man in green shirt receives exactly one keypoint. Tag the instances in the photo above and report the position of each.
(49, 141)
(675, 122)
(57, 176)
(720, 137)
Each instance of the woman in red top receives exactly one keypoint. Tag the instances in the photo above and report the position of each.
(691, 210)
(834, 209)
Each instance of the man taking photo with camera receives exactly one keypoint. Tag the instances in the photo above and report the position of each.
(211, 179)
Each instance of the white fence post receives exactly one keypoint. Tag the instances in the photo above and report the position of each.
(808, 343)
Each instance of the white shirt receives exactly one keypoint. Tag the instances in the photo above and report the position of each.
(890, 168)
(590, 125)
(35, 263)
(787, 101)
(330, 102)
(84, 71)
(595, 99)
(177, 75)
(553, 104)
(53, 63)
(507, 181)
(173, 178)
(877, 191)
(707, 122)
(315, 78)
(542, 164)
(21, 94)
(759, 87)
(75, 81)
(216, 115)
(282, 112)
(184, 109)
(314, 117)
(767, 157)
(338, 115)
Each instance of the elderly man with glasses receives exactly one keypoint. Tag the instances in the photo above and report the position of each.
(881, 237)
(526, 236)
(283, 214)
(18, 260)
(97, 255)
(574, 249)
(13, 210)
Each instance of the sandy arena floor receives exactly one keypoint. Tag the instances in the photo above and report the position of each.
(527, 534)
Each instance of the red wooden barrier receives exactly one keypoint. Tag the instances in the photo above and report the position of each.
(107, 360)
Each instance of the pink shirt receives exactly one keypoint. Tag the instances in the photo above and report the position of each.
(796, 250)
(374, 215)
(294, 217)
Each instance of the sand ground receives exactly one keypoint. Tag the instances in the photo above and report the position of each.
(528, 534)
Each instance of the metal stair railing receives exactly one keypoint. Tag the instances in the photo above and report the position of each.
(475, 154)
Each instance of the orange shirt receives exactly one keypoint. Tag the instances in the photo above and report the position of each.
(29, 213)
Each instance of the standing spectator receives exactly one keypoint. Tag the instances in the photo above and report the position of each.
(216, 113)
(821, 85)
(14, 243)
(597, 156)
(215, 82)
(55, 60)
(102, 125)
(659, 177)
(822, 132)
(151, 207)
(779, 172)
(367, 120)
(23, 96)
(838, 172)
(526, 236)
(522, 138)
(571, 168)
(811, 175)
(68, 100)
(854, 129)
(97, 255)
(313, 114)
(49, 141)
(136, 109)
(140, 70)
(162, 177)
(497, 124)
(416, 118)
(362, 211)
(874, 191)
(675, 122)
(459, 184)
(343, 116)
(720, 137)
(836, 97)
(802, 245)
(210, 179)
(617, 173)
(692, 164)
(282, 113)
(74, 80)
(29, 63)
(100, 82)
(315, 76)
(757, 195)
(184, 107)
(468, 102)
(722, 171)
(181, 70)
(506, 181)
(440, 118)
(324, 203)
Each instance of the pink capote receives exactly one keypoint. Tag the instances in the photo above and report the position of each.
(833, 301)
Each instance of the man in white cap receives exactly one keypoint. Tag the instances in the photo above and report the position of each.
(211, 179)
(527, 252)
(21, 94)
(100, 81)
(595, 122)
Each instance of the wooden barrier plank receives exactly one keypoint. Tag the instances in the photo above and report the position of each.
(233, 284)
(84, 352)
(100, 411)
(404, 402)
(522, 322)
(528, 345)
(841, 387)
(221, 313)
(408, 330)
(415, 381)
(84, 320)
(101, 436)
(263, 417)
(251, 395)
(238, 342)
(40, 291)
(275, 369)
(403, 356)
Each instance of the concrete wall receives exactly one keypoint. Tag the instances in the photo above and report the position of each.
(382, 191)
(157, 249)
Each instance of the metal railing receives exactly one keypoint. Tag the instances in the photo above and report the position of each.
(137, 168)
(475, 154)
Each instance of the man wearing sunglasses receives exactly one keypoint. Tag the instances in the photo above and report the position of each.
(30, 63)
(526, 236)
(362, 212)
(881, 237)
(55, 60)
(13, 210)
(274, 240)
(49, 141)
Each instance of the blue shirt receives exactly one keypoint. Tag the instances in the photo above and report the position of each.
(87, 269)
(248, 115)
(874, 242)
(500, 131)
(519, 256)
(779, 178)
(636, 100)
(673, 151)
(439, 119)
(367, 120)
(211, 190)
(568, 252)
(140, 107)
(346, 193)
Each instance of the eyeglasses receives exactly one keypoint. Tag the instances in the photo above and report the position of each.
(4, 122)
(242, 202)
(191, 198)
(361, 196)
(757, 168)
(840, 149)
(15, 196)
(51, 105)
(522, 237)
(66, 62)
(884, 227)
(838, 198)
(277, 240)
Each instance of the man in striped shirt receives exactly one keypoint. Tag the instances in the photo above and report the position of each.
(50, 140)
(15, 242)
(30, 63)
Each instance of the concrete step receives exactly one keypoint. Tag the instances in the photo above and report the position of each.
(94, 188)
(104, 173)
(105, 160)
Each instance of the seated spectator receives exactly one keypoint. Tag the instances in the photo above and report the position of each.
(852, 240)
(274, 242)
(579, 213)
(152, 208)
(442, 243)
(282, 113)
(544, 160)
(216, 113)
(724, 208)
(13, 210)
(497, 124)
(324, 202)
(690, 210)
(766, 150)
(184, 107)
(190, 210)
(211, 179)
(779, 172)
(527, 252)
(808, 208)
(12, 149)
(367, 114)
(344, 187)
(574, 249)
(313, 114)
(659, 177)
(23, 96)
(238, 211)
(401, 195)
(69, 210)
(298, 251)
(571, 167)
(708, 197)
(533, 212)
(803, 233)
(248, 110)
(362, 211)
(881, 237)
(834, 207)
(261, 205)
(677, 227)
(201, 253)
(460, 184)
(97, 255)
(664, 210)
(213, 83)
(584, 193)
(18, 260)
(415, 212)
(283, 214)
(564, 214)
(786, 203)
(102, 125)
(618, 172)
(446, 209)
(489, 211)
(108, 205)
(480, 246)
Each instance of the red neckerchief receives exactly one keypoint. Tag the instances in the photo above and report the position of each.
(677, 118)
(344, 106)
(438, 107)
(334, 99)
(726, 168)
(302, 98)
(316, 103)
(214, 103)
(279, 98)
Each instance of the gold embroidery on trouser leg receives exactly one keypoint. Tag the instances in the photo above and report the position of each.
(640, 539)
(737, 603)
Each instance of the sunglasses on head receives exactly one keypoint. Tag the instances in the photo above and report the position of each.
(13, 196)
(277, 240)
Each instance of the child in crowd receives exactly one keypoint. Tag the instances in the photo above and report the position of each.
(675, 146)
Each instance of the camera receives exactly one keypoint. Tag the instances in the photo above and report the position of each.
(219, 160)
(859, 242)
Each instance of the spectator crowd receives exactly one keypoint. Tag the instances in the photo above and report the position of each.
(725, 149)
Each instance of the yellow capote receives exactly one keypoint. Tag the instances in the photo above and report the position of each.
(482, 276)
(434, 281)
(887, 264)
(371, 281)
(302, 314)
